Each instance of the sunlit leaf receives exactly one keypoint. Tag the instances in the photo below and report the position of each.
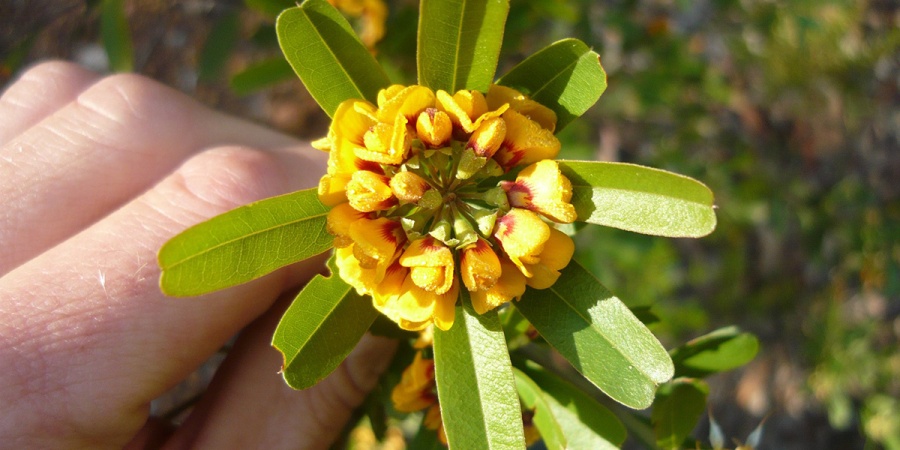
(599, 336)
(566, 77)
(724, 349)
(320, 328)
(326, 53)
(475, 382)
(459, 43)
(585, 423)
(640, 199)
(244, 244)
(261, 75)
(116, 36)
(679, 405)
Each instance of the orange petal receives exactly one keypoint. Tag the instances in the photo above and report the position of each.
(526, 142)
(556, 256)
(338, 223)
(542, 188)
(431, 264)
(479, 266)
(434, 127)
(522, 234)
(510, 285)
(499, 95)
(368, 191)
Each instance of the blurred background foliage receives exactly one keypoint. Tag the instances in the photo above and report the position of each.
(787, 110)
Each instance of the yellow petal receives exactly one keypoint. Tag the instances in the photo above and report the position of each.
(338, 223)
(376, 243)
(556, 256)
(363, 280)
(407, 102)
(479, 266)
(434, 127)
(431, 264)
(526, 142)
(488, 138)
(368, 191)
(408, 187)
(522, 235)
(510, 285)
(499, 95)
(445, 308)
(542, 188)
(415, 391)
(385, 143)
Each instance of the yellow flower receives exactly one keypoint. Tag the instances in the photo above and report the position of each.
(415, 391)
(557, 253)
(542, 188)
(372, 14)
(526, 142)
(419, 208)
(430, 263)
(433, 421)
(510, 285)
(479, 266)
(369, 191)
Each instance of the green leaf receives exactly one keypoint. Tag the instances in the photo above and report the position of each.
(459, 43)
(678, 407)
(640, 199)
(585, 423)
(475, 384)
(326, 53)
(544, 419)
(116, 36)
(320, 328)
(721, 350)
(218, 46)
(260, 75)
(565, 76)
(244, 244)
(599, 336)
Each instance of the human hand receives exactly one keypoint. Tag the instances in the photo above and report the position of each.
(95, 175)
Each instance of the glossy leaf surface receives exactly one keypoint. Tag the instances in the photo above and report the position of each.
(640, 199)
(585, 423)
(566, 77)
(721, 350)
(328, 56)
(320, 328)
(459, 43)
(599, 336)
(244, 244)
(475, 382)
(678, 407)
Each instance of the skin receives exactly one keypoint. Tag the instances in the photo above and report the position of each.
(96, 173)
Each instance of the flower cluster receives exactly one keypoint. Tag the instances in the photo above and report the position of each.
(431, 192)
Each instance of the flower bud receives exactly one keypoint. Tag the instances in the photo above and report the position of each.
(368, 191)
(408, 187)
(434, 127)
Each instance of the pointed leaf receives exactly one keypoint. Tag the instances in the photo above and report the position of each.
(566, 77)
(721, 350)
(544, 418)
(640, 199)
(320, 328)
(479, 405)
(599, 336)
(678, 406)
(326, 53)
(244, 244)
(585, 423)
(459, 43)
